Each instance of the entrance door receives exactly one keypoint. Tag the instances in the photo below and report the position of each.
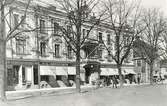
(87, 74)
(35, 70)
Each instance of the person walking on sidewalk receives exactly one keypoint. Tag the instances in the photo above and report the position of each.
(114, 80)
(138, 78)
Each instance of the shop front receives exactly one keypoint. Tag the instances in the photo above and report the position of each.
(22, 74)
(92, 71)
(60, 76)
(107, 73)
(130, 75)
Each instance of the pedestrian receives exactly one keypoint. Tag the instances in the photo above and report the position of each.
(108, 81)
(160, 77)
(138, 78)
(114, 80)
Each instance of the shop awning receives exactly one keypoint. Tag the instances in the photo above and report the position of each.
(130, 71)
(61, 70)
(53, 70)
(122, 70)
(57, 70)
(104, 72)
(108, 71)
(111, 71)
(47, 70)
(72, 70)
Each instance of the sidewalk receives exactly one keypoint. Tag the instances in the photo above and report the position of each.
(21, 94)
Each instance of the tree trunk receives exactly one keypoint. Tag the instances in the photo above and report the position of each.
(120, 75)
(2, 69)
(2, 54)
(78, 89)
(151, 73)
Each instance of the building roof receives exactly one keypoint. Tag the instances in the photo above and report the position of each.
(141, 48)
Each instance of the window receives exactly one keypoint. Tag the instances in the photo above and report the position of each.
(108, 39)
(115, 44)
(100, 53)
(35, 71)
(20, 46)
(126, 60)
(57, 49)
(143, 70)
(69, 49)
(83, 32)
(87, 32)
(69, 30)
(100, 37)
(42, 26)
(16, 19)
(23, 19)
(138, 63)
(126, 40)
(43, 48)
(23, 75)
(13, 75)
(55, 26)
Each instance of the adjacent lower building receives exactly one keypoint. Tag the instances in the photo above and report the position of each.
(141, 67)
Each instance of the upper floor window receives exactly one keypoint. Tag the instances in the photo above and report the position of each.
(57, 50)
(87, 32)
(116, 44)
(100, 53)
(138, 63)
(55, 27)
(23, 19)
(100, 37)
(16, 19)
(83, 32)
(20, 46)
(69, 30)
(43, 48)
(69, 49)
(42, 26)
(108, 39)
(126, 40)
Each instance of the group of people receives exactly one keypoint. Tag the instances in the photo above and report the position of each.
(107, 81)
(114, 81)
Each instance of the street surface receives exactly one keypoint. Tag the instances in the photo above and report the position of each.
(143, 95)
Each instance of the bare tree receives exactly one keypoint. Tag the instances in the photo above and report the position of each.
(6, 35)
(79, 13)
(163, 43)
(124, 17)
(150, 43)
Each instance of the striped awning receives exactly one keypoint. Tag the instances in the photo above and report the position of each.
(72, 70)
(108, 71)
(130, 71)
(47, 70)
(61, 70)
(53, 70)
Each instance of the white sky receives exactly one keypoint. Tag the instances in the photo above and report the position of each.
(162, 4)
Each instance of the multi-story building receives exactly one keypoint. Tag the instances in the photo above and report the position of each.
(42, 57)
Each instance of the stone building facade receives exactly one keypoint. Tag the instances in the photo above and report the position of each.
(42, 58)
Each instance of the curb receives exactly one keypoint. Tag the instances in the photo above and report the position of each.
(16, 95)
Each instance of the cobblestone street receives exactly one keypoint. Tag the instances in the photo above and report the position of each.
(144, 95)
